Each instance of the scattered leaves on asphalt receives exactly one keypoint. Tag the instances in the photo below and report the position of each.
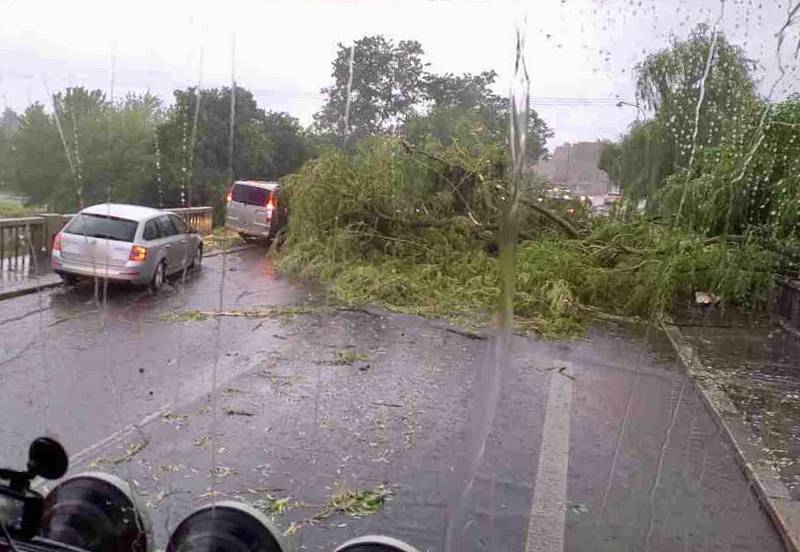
(174, 468)
(222, 471)
(232, 412)
(578, 508)
(179, 420)
(346, 357)
(271, 505)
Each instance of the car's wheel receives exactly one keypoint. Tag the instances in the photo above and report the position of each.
(197, 261)
(158, 277)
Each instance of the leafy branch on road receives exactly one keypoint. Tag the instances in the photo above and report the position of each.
(130, 451)
(348, 357)
(272, 311)
(353, 503)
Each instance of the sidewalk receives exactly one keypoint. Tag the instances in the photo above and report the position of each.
(749, 368)
(14, 284)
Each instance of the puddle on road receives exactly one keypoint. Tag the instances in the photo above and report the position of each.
(757, 366)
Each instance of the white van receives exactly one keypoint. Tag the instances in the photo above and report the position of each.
(255, 209)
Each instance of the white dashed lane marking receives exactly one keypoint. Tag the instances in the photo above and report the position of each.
(548, 508)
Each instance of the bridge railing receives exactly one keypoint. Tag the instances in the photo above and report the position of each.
(787, 306)
(199, 218)
(24, 239)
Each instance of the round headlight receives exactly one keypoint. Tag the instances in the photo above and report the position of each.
(375, 543)
(226, 527)
(97, 512)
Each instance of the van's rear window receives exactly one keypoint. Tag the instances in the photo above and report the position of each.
(99, 226)
(250, 195)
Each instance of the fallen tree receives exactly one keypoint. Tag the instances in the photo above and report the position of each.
(414, 229)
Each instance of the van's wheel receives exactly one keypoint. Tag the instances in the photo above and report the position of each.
(197, 260)
(158, 278)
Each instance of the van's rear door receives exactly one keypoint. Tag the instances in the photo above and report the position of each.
(247, 210)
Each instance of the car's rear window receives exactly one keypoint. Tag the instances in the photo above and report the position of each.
(250, 195)
(99, 226)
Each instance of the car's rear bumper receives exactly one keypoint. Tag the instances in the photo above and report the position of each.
(133, 273)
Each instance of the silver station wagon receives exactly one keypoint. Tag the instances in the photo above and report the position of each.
(125, 243)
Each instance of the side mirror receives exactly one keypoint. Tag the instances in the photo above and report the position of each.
(47, 458)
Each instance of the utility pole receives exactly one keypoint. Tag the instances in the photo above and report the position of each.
(569, 161)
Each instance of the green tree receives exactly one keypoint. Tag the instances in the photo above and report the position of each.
(131, 163)
(464, 108)
(694, 87)
(386, 87)
(701, 95)
(267, 145)
(39, 168)
(9, 123)
(640, 161)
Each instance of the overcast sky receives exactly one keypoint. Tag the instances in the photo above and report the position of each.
(579, 52)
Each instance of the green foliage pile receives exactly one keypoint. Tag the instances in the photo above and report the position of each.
(385, 226)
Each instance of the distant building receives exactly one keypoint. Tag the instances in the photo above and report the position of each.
(574, 167)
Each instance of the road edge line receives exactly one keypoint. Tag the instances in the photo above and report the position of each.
(771, 492)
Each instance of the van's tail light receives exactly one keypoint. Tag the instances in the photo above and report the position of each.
(229, 197)
(57, 242)
(270, 205)
(138, 253)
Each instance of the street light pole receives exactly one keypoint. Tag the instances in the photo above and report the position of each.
(639, 111)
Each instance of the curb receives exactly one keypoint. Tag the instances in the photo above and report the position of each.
(27, 290)
(771, 492)
(16, 292)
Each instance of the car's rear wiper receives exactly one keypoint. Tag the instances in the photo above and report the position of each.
(101, 236)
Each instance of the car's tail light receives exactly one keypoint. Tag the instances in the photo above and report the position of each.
(138, 253)
(57, 242)
(229, 197)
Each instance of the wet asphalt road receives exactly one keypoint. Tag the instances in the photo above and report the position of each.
(80, 368)
(627, 458)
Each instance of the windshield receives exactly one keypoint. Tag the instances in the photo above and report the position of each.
(98, 226)
(528, 278)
